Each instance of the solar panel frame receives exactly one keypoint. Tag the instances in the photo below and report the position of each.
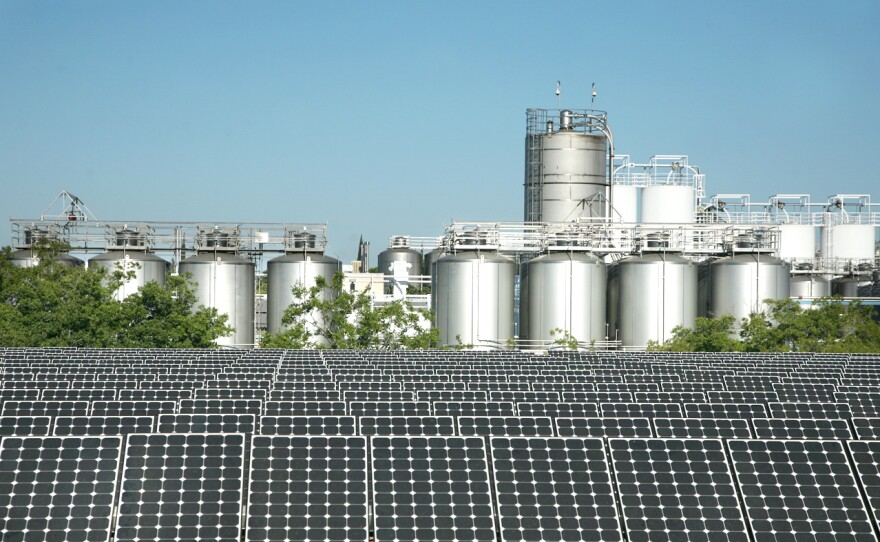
(101, 425)
(505, 426)
(801, 428)
(417, 426)
(207, 423)
(24, 426)
(702, 428)
(473, 408)
(603, 427)
(809, 410)
(308, 425)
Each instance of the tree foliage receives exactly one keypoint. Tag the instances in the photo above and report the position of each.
(830, 325)
(325, 315)
(55, 305)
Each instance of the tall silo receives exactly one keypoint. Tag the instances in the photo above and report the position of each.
(562, 291)
(224, 281)
(658, 292)
(128, 254)
(743, 281)
(301, 265)
(566, 166)
(473, 292)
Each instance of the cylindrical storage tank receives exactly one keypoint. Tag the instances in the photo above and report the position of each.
(852, 286)
(400, 254)
(612, 301)
(625, 200)
(797, 242)
(474, 299)
(564, 291)
(848, 241)
(431, 259)
(30, 258)
(668, 204)
(809, 286)
(574, 176)
(742, 282)
(225, 282)
(145, 267)
(285, 272)
(658, 292)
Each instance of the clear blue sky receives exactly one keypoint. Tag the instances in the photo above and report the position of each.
(384, 118)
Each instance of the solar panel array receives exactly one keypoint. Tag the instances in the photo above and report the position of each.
(437, 445)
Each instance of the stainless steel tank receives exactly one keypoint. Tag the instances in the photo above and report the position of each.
(225, 282)
(30, 258)
(658, 292)
(474, 299)
(566, 165)
(145, 267)
(400, 254)
(854, 286)
(742, 282)
(431, 259)
(809, 286)
(285, 272)
(564, 291)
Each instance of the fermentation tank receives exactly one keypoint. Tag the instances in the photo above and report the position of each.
(562, 291)
(29, 257)
(848, 241)
(658, 292)
(852, 286)
(473, 291)
(566, 165)
(625, 199)
(431, 259)
(225, 282)
(809, 285)
(399, 251)
(742, 282)
(797, 242)
(668, 204)
(289, 270)
(143, 266)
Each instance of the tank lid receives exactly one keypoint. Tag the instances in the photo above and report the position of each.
(128, 239)
(217, 240)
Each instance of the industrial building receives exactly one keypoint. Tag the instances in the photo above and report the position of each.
(611, 252)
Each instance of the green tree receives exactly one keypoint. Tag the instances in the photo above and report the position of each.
(326, 315)
(55, 305)
(707, 335)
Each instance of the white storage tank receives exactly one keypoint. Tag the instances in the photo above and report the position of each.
(797, 242)
(809, 285)
(297, 269)
(562, 291)
(473, 294)
(658, 292)
(848, 241)
(742, 282)
(625, 200)
(225, 282)
(668, 204)
(143, 266)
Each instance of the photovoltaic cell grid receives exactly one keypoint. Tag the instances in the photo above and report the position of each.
(308, 425)
(25, 426)
(505, 426)
(407, 425)
(554, 489)
(676, 489)
(102, 425)
(808, 428)
(866, 458)
(799, 490)
(206, 423)
(431, 488)
(702, 428)
(58, 488)
(308, 488)
(182, 487)
(603, 427)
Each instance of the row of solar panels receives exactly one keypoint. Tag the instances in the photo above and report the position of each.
(488, 426)
(863, 405)
(203, 487)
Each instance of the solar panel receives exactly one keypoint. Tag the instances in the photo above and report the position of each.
(389, 408)
(725, 410)
(207, 423)
(308, 488)
(799, 490)
(555, 410)
(431, 488)
(25, 426)
(373, 395)
(45, 408)
(762, 397)
(810, 410)
(182, 487)
(220, 406)
(308, 425)
(597, 397)
(305, 408)
(229, 393)
(305, 395)
(505, 426)
(525, 396)
(154, 395)
(572, 385)
(102, 425)
(863, 405)
(407, 425)
(668, 397)
(58, 488)
(676, 489)
(603, 427)
(866, 458)
(818, 393)
(691, 386)
(364, 386)
(750, 383)
(630, 387)
(419, 386)
(808, 428)
(452, 395)
(131, 408)
(641, 410)
(702, 428)
(554, 489)
(19, 394)
(473, 408)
